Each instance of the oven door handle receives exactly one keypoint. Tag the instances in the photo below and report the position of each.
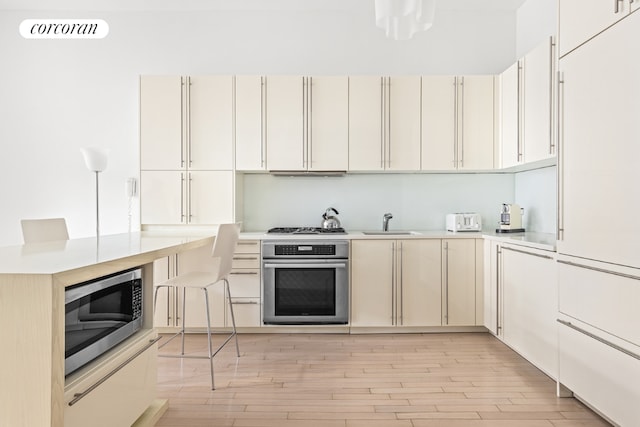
(307, 265)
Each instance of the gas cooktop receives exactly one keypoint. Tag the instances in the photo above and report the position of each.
(306, 230)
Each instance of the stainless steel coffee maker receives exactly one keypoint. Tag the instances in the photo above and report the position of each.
(510, 219)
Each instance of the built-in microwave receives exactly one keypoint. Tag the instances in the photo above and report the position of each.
(100, 314)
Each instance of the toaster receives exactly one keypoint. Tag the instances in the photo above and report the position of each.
(464, 222)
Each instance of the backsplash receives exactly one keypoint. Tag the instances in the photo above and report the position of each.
(417, 201)
(536, 192)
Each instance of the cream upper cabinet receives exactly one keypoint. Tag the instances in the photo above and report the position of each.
(161, 131)
(250, 123)
(538, 87)
(285, 123)
(527, 107)
(405, 287)
(384, 123)
(457, 123)
(459, 282)
(186, 197)
(366, 148)
(186, 122)
(580, 20)
(598, 164)
(307, 123)
(328, 142)
(510, 138)
(402, 129)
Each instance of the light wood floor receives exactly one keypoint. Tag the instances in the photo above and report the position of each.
(391, 380)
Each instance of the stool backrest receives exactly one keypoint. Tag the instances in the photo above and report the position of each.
(44, 230)
(224, 247)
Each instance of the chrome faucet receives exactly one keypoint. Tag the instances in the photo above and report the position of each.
(385, 221)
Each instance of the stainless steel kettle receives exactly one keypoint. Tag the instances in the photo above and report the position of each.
(330, 221)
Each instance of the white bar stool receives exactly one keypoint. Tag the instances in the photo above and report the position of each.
(44, 230)
(222, 258)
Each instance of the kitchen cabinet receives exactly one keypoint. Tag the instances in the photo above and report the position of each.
(580, 20)
(244, 285)
(405, 287)
(599, 342)
(169, 301)
(457, 122)
(510, 120)
(186, 150)
(186, 123)
(191, 197)
(492, 287)
(307, 123)
(384, 123)
(250, 123)
(598, 168)
(458, 282)
(529, 302)
(527, 100)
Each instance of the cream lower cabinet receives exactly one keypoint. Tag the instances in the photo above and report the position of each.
(169, 302)
(530, 295)
(492, 294)
(395, 283)
(598, 336)
(459, 302)
(244, 284)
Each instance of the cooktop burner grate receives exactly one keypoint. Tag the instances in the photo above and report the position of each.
(306, 230)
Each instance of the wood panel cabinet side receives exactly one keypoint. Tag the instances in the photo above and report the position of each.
(32, 359)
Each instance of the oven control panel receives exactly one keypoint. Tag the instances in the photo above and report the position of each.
(305, 249)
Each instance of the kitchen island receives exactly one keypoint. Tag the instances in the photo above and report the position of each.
(33, 278)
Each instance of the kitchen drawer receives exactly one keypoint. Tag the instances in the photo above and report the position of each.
(248, 247)
(121, 398)
(246, 312)
(604, 377)
(245, 282)
(246, 261)
(607, 300)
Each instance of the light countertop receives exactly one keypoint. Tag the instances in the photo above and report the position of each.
(544, 241)
(66, 255)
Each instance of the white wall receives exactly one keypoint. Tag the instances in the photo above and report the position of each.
(58, 96)
(536, 20)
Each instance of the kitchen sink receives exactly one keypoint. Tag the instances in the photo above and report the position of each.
(387, 233)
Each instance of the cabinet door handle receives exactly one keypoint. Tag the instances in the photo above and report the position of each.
(393, 283)
(461, 124)
(263, 118)
(78, 396)
(400, 285)
(189, 121)
(446, 282)
(245, 258)
(527, 252)
(599, 270)
(244, 302)
(189, 211)
(455, 123)
(182, 201)
(560, 159)
(244, 273)
(597, 338)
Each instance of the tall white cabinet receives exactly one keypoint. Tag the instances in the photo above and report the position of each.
(599, 268)
(457, 122)
(186, 150)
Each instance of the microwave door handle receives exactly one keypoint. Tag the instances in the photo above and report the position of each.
(308, 265)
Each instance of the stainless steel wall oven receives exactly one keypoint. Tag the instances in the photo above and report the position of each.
(305, 282)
